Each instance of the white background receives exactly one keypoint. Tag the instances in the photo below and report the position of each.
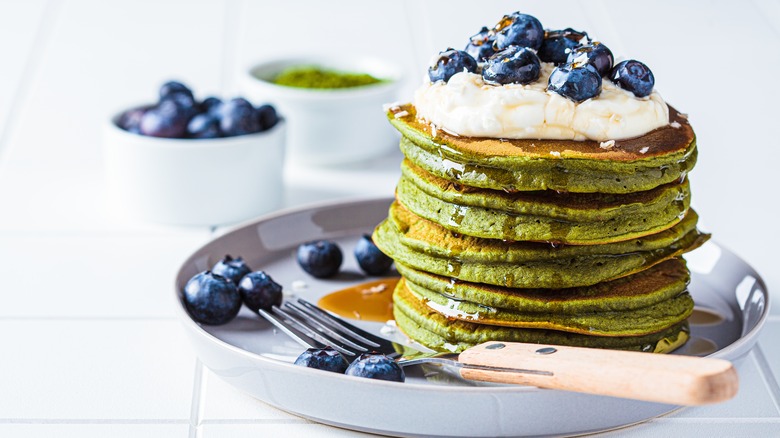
(90, 343)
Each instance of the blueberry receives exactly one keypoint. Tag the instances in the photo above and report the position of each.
(513, 65)
(595, 54)
(174, 87)
(519, 29)
(168, 119)
(238, 117)
(449, 62)
(633, 76)
(266, 114)
(326, 359)
(232, 269)
(185, 102)
(576, 83)
(130, 120)
(211, 299)
(210, 104)
(260, 291)
(376, 366)
(321, 258)
(480, 46)
(371, 260)
(558, 43)
(204, 125)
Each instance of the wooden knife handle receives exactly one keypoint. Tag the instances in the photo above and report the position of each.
(672, 379)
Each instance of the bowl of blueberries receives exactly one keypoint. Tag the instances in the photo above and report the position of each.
(184, 161)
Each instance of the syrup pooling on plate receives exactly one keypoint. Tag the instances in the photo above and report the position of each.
(702, 316)
(371, 301)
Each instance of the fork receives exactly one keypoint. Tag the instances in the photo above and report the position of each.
(664, 378)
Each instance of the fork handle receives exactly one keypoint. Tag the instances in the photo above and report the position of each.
(672, 379)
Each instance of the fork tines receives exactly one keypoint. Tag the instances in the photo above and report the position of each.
(316, 326)
(301, 334)
(299, 316)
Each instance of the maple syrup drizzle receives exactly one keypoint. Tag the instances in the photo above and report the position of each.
(371, 301)
(701, 316)
(700, 346)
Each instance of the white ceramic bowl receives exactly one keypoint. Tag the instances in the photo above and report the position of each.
(332, 126)
(193, 181)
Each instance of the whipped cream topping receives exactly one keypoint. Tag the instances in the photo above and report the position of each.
(466, 105)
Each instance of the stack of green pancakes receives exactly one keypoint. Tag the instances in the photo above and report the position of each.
(544, 241)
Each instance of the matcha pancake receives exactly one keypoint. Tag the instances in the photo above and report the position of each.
(426, 246)
(633, 322)
(651, 286)
(544, 216)
(424, 325)
(659, 157)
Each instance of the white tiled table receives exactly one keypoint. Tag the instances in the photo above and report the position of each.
(87, 329)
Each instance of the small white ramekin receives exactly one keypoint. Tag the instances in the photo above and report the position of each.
(331, 126)
(195, 182)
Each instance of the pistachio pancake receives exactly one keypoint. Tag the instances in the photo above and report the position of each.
(633, 322)
(543, 216)
(426, 326)
(659, 157)
(651, 286)
(426, 246)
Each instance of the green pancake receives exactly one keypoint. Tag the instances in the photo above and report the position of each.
(426, 246)
(659, 157)
(649, 287)
(581, 219)
(634, 322)
(437, 332)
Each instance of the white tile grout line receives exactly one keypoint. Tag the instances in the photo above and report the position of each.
(260, 421)
(769, 377)
(230, 40)
(132, 421)
(598, 14)
(32, 421)
(410, 30)
(426, 49)
(198, 393)
(87, 318)
(761, 11)
(230, 45)
(42, 36)
(118, 232)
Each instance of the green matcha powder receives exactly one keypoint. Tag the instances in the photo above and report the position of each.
(316, 77)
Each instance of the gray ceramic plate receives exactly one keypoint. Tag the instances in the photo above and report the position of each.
(731, 299)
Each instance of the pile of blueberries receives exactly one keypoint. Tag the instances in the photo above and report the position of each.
(214, 297)
(178, 115)
(512, 51)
